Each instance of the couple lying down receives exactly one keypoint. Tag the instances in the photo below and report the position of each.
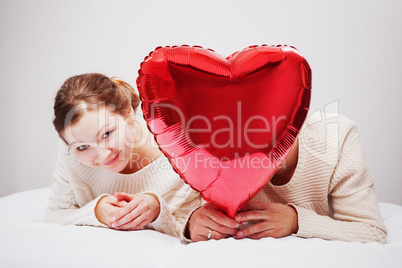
(110, 173)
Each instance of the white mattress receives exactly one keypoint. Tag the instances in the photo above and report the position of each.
(26, 241)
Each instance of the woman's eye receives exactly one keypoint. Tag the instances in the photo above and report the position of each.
(107, 134)
(82, 147)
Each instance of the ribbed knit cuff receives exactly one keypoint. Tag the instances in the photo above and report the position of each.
(303, 221)
(90, 207)
(165, 222)
(183, 238)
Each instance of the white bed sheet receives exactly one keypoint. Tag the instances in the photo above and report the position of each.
(26, 241)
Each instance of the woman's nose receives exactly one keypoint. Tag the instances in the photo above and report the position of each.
(103, 155)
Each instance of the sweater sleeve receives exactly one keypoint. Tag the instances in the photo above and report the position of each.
(355, 211)
(180, 202)
(184, 236)
(165, 222)
(63, 207)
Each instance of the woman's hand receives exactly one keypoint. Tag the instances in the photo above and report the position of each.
(205, 219)
(140, 210)
(106, 207)
(273, 220)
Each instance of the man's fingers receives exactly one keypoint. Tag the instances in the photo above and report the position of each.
(207, 218)
(203, 236)
(222, 219)
(268, 233)
(218, 236)
(255, 229)
(215, 226)
(252, 215)
(219, 222)
(254, 205)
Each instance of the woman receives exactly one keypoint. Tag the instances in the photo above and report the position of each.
(110, 172)
(324, 189)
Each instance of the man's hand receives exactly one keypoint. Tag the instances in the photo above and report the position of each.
(273, 220)
(205, 219)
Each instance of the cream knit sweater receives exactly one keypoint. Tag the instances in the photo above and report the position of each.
(332, 188)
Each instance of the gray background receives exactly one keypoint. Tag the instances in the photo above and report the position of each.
(353, 47)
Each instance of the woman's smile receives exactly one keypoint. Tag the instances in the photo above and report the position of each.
(111, 162)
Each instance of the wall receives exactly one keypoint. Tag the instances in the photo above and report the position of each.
(353, 47)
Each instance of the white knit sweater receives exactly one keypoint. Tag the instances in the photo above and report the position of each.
(331, 189)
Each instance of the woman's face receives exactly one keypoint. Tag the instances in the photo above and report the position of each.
(102, 139)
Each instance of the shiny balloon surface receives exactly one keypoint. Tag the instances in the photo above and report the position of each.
(226, 124)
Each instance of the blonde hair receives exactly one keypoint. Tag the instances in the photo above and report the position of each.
(85, 92)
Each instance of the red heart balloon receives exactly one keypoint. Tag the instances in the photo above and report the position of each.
(226, 125)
